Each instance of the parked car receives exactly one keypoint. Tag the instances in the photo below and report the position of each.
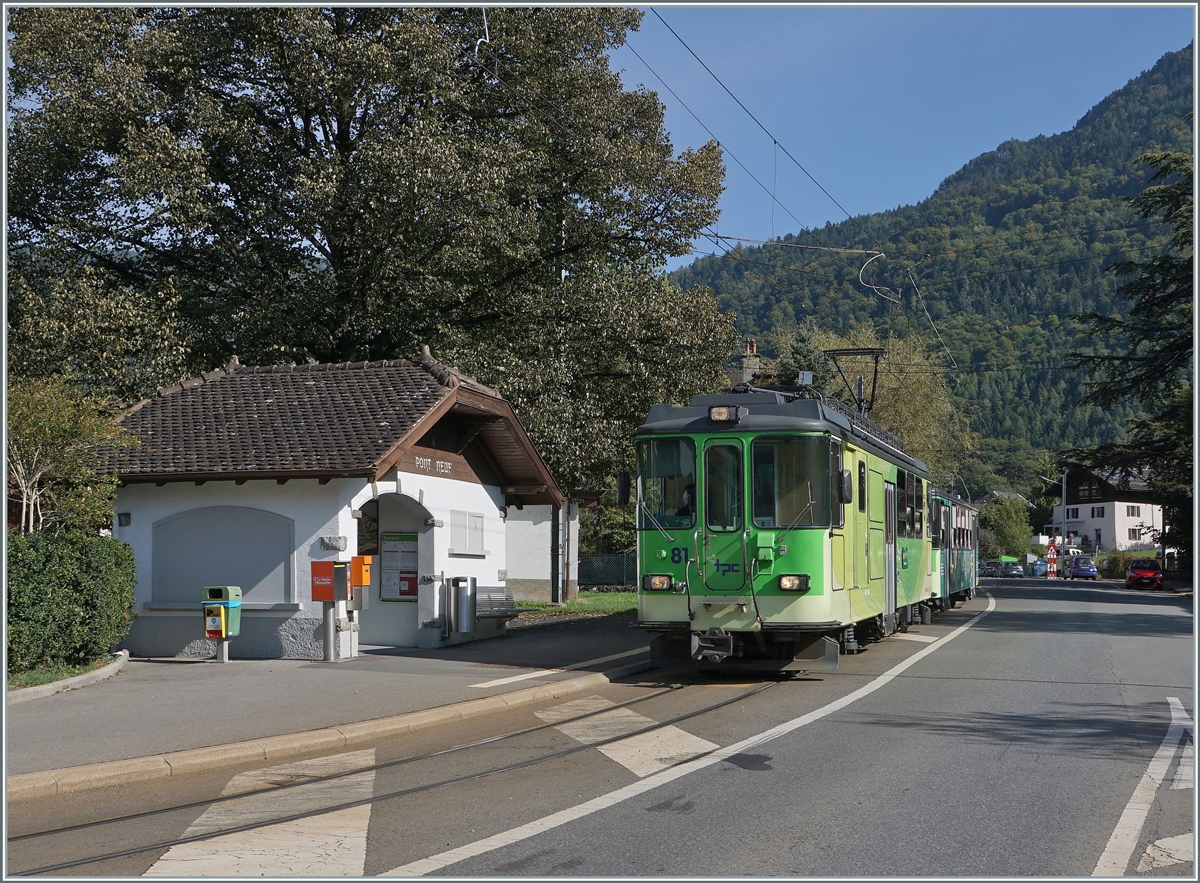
(989, 568)
(1082, 567)
(1143, 572)
(1013, 569)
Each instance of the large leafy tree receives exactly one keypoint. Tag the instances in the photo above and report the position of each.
(351, 183)
(1153, 365)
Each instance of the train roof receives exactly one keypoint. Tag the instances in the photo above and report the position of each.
(768, 410)
(951, 497)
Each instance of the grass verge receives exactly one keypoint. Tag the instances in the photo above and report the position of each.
(51, 672)
(587, 602)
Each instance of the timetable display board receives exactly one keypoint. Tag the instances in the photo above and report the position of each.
(398, 567)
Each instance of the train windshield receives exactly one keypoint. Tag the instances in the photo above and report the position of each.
(791, 481)
(666, 483)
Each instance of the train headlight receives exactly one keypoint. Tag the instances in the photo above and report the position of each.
(656, 582)
(794, 582)
(726, 413)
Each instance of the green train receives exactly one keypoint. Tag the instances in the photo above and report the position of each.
(779, 528)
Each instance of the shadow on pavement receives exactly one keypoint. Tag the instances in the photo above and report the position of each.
(1071, 728)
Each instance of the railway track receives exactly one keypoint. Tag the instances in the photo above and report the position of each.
(115, 828)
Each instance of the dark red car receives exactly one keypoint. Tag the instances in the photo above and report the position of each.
(1143, 573)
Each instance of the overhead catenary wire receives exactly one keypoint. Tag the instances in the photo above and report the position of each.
(786, 152)
(878, 289)
(724, 147)
(949, 355)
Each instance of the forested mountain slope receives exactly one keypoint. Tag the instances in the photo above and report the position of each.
(1003, 253)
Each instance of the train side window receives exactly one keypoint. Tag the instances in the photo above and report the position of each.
(919, 508)
(862, 485)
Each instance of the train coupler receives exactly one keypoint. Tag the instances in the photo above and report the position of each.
(712, 646)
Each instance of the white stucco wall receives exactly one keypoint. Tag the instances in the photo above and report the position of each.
(292, 628)
(1114, 525)
(528, 542)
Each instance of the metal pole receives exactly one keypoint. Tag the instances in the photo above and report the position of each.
(1062, 542)
(555, 586)
(330, 633)
(566, 578)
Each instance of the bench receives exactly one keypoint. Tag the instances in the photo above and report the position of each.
(495, 602)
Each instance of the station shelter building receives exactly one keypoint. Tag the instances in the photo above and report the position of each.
(244, 476)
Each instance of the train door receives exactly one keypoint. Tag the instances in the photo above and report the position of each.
(862, 550)
(944, 516)
(889, 556)
(724, 552)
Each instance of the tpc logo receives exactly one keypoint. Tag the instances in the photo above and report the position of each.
(726, 569)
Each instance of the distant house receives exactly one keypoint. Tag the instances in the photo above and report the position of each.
(246, 475)
(1103, 515)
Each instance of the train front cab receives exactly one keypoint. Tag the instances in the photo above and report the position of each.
(729, 575)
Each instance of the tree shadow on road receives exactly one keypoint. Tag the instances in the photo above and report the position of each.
(1070, 728)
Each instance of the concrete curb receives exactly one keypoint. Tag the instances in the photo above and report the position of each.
(177, 763)
(92, 677)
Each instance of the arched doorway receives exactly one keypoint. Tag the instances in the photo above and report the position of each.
(395, 528)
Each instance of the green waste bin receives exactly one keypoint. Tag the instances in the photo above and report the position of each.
(229, 597)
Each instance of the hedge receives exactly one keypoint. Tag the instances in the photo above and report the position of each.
(70, 598)
(1114, 564)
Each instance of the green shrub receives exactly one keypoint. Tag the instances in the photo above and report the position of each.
(70, 598)
(1114, 564)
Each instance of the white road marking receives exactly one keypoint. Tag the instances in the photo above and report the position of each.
(546, 671)
(558, 819)
(1114, 862)
(642, 754)
(1185, 773)
(330, 844)
(1166, 852)
(924, 639)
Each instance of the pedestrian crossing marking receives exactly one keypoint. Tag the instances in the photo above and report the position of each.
(1114, 862)
(329, 844)
(1166, 852)
(641, 754)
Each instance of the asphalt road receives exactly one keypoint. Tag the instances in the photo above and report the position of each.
(1002, 742)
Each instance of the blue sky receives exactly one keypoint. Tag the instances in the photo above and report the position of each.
(880, 103)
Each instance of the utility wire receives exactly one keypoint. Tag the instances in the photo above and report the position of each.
(724, 147)
(786, 152)
(949, 355)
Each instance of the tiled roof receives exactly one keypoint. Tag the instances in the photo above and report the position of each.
(290, 419)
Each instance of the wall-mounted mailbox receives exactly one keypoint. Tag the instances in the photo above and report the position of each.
(360, 570)
(360, 581)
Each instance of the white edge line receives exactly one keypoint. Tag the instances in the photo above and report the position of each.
(550, 822)
(1115, 859)
(545, 671)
